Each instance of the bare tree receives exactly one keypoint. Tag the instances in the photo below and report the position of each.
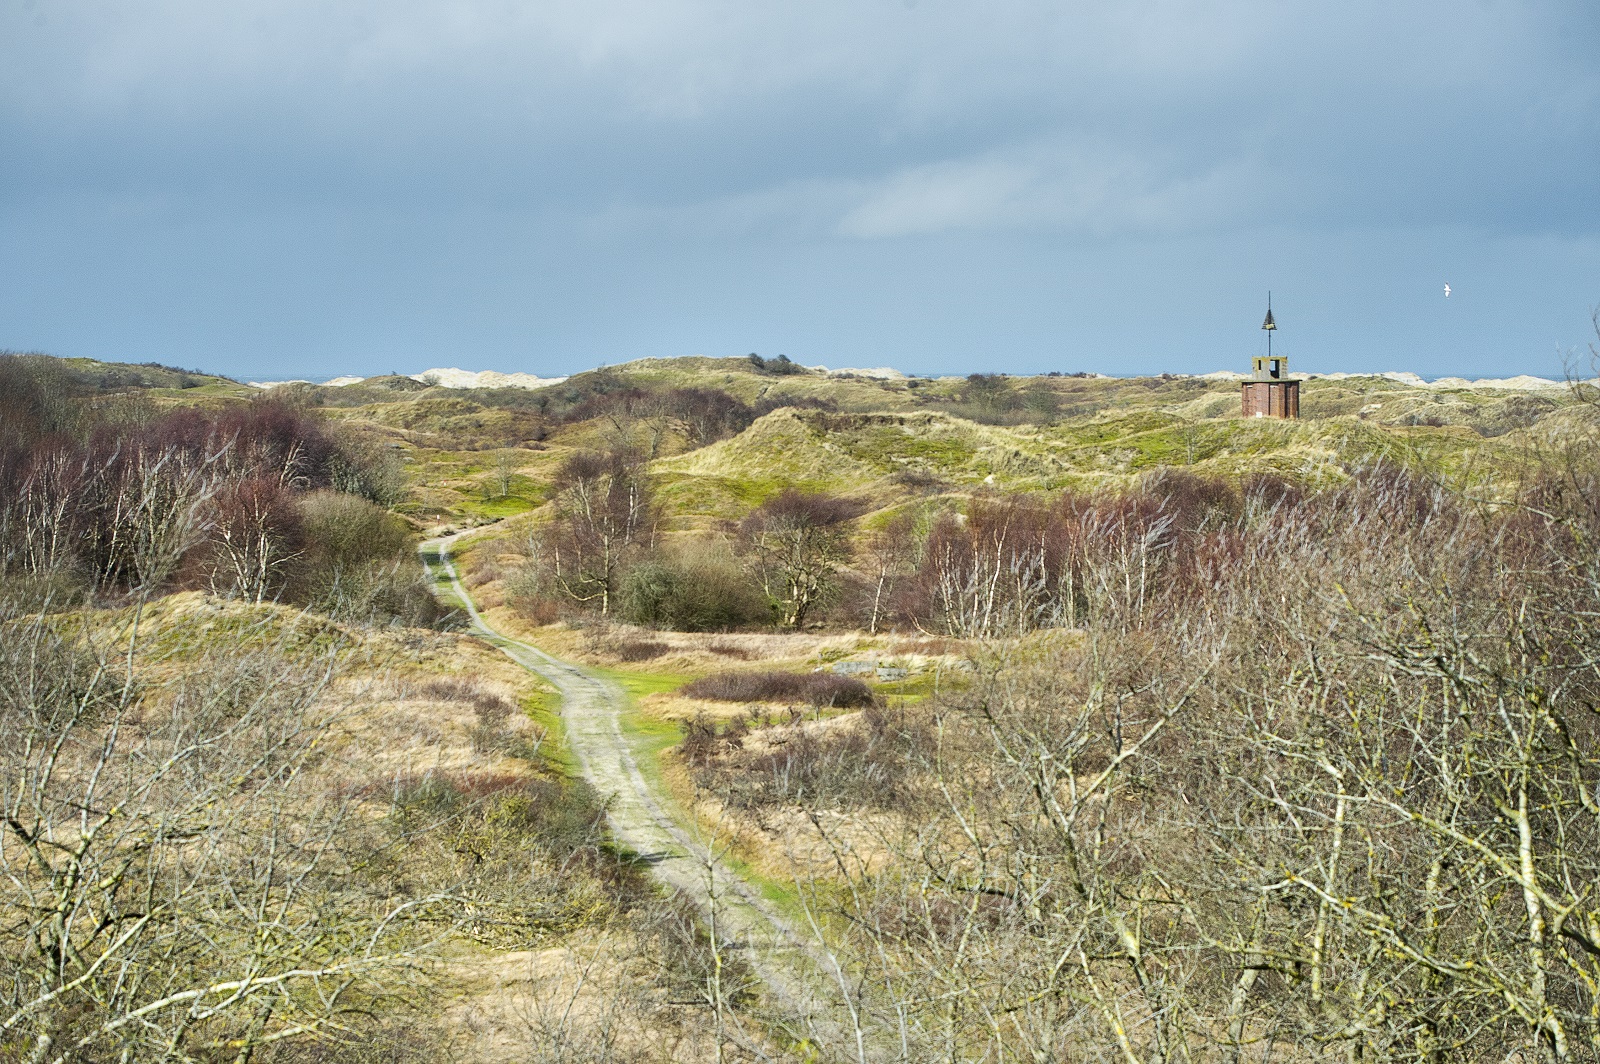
(43, 515)
(501, 474)
(605, 512)
(254, 539)
(156, 506)
(799, 543)
(890, 555)
(1007, 568)
(173, 879)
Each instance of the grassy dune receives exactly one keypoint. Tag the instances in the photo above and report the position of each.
(890, 441)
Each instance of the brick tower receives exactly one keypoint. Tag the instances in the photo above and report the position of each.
(1271, 392)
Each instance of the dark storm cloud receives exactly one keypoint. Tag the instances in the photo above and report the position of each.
(300, 186)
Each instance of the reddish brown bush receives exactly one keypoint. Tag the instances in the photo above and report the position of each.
(639, 649)
(537, 611)
(203, 496)
(484, 574)
(813, 688)
(492, 709)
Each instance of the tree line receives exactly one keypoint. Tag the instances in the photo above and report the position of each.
(999, 566)
(257, 500)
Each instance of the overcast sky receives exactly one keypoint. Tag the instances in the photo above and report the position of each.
(318, 187)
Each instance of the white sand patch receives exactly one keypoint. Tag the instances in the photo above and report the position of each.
(882, 373)
(1521, 383)
(337, 382)
(463, 378)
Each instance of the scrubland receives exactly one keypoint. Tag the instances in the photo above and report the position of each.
(1078, 718)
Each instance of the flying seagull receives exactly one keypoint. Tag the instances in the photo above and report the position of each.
(1447, 291)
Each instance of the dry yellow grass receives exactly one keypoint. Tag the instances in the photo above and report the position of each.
(394, 722)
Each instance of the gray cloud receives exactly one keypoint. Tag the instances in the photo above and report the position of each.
(500, 139)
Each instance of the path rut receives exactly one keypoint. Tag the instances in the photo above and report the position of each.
(804, 981)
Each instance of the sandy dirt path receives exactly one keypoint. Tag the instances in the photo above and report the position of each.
(804, 982)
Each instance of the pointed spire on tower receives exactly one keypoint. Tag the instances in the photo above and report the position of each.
(1270, 391)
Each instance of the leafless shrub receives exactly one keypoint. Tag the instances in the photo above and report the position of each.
(484, 574)
(491, 710)
(677, 943)
(918, 479)
(593, 1010)
(536, 610)
(380, 592)
(703, 741)
(1011, 566)
(174, 878)
(813, 688)
(487, 703)
(1332, 799)
(633, 650)
(407, 1039)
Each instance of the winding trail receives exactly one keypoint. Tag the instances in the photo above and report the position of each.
(805, 983)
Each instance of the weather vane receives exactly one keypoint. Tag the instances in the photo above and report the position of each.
(1269, 325)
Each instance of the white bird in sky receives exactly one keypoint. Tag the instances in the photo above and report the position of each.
(1447, 291)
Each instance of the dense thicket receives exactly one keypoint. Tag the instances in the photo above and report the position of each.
(697, 586)
(706, 414)
(809, 688)
(1002, 566)
(1318, 778)
(1011, 565)
(254, 500)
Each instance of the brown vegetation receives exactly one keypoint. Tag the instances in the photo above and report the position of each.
(244, 838)
(1313, 776)
(866, 762)
(1319, 782)
(812, 688)
(254, 500)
